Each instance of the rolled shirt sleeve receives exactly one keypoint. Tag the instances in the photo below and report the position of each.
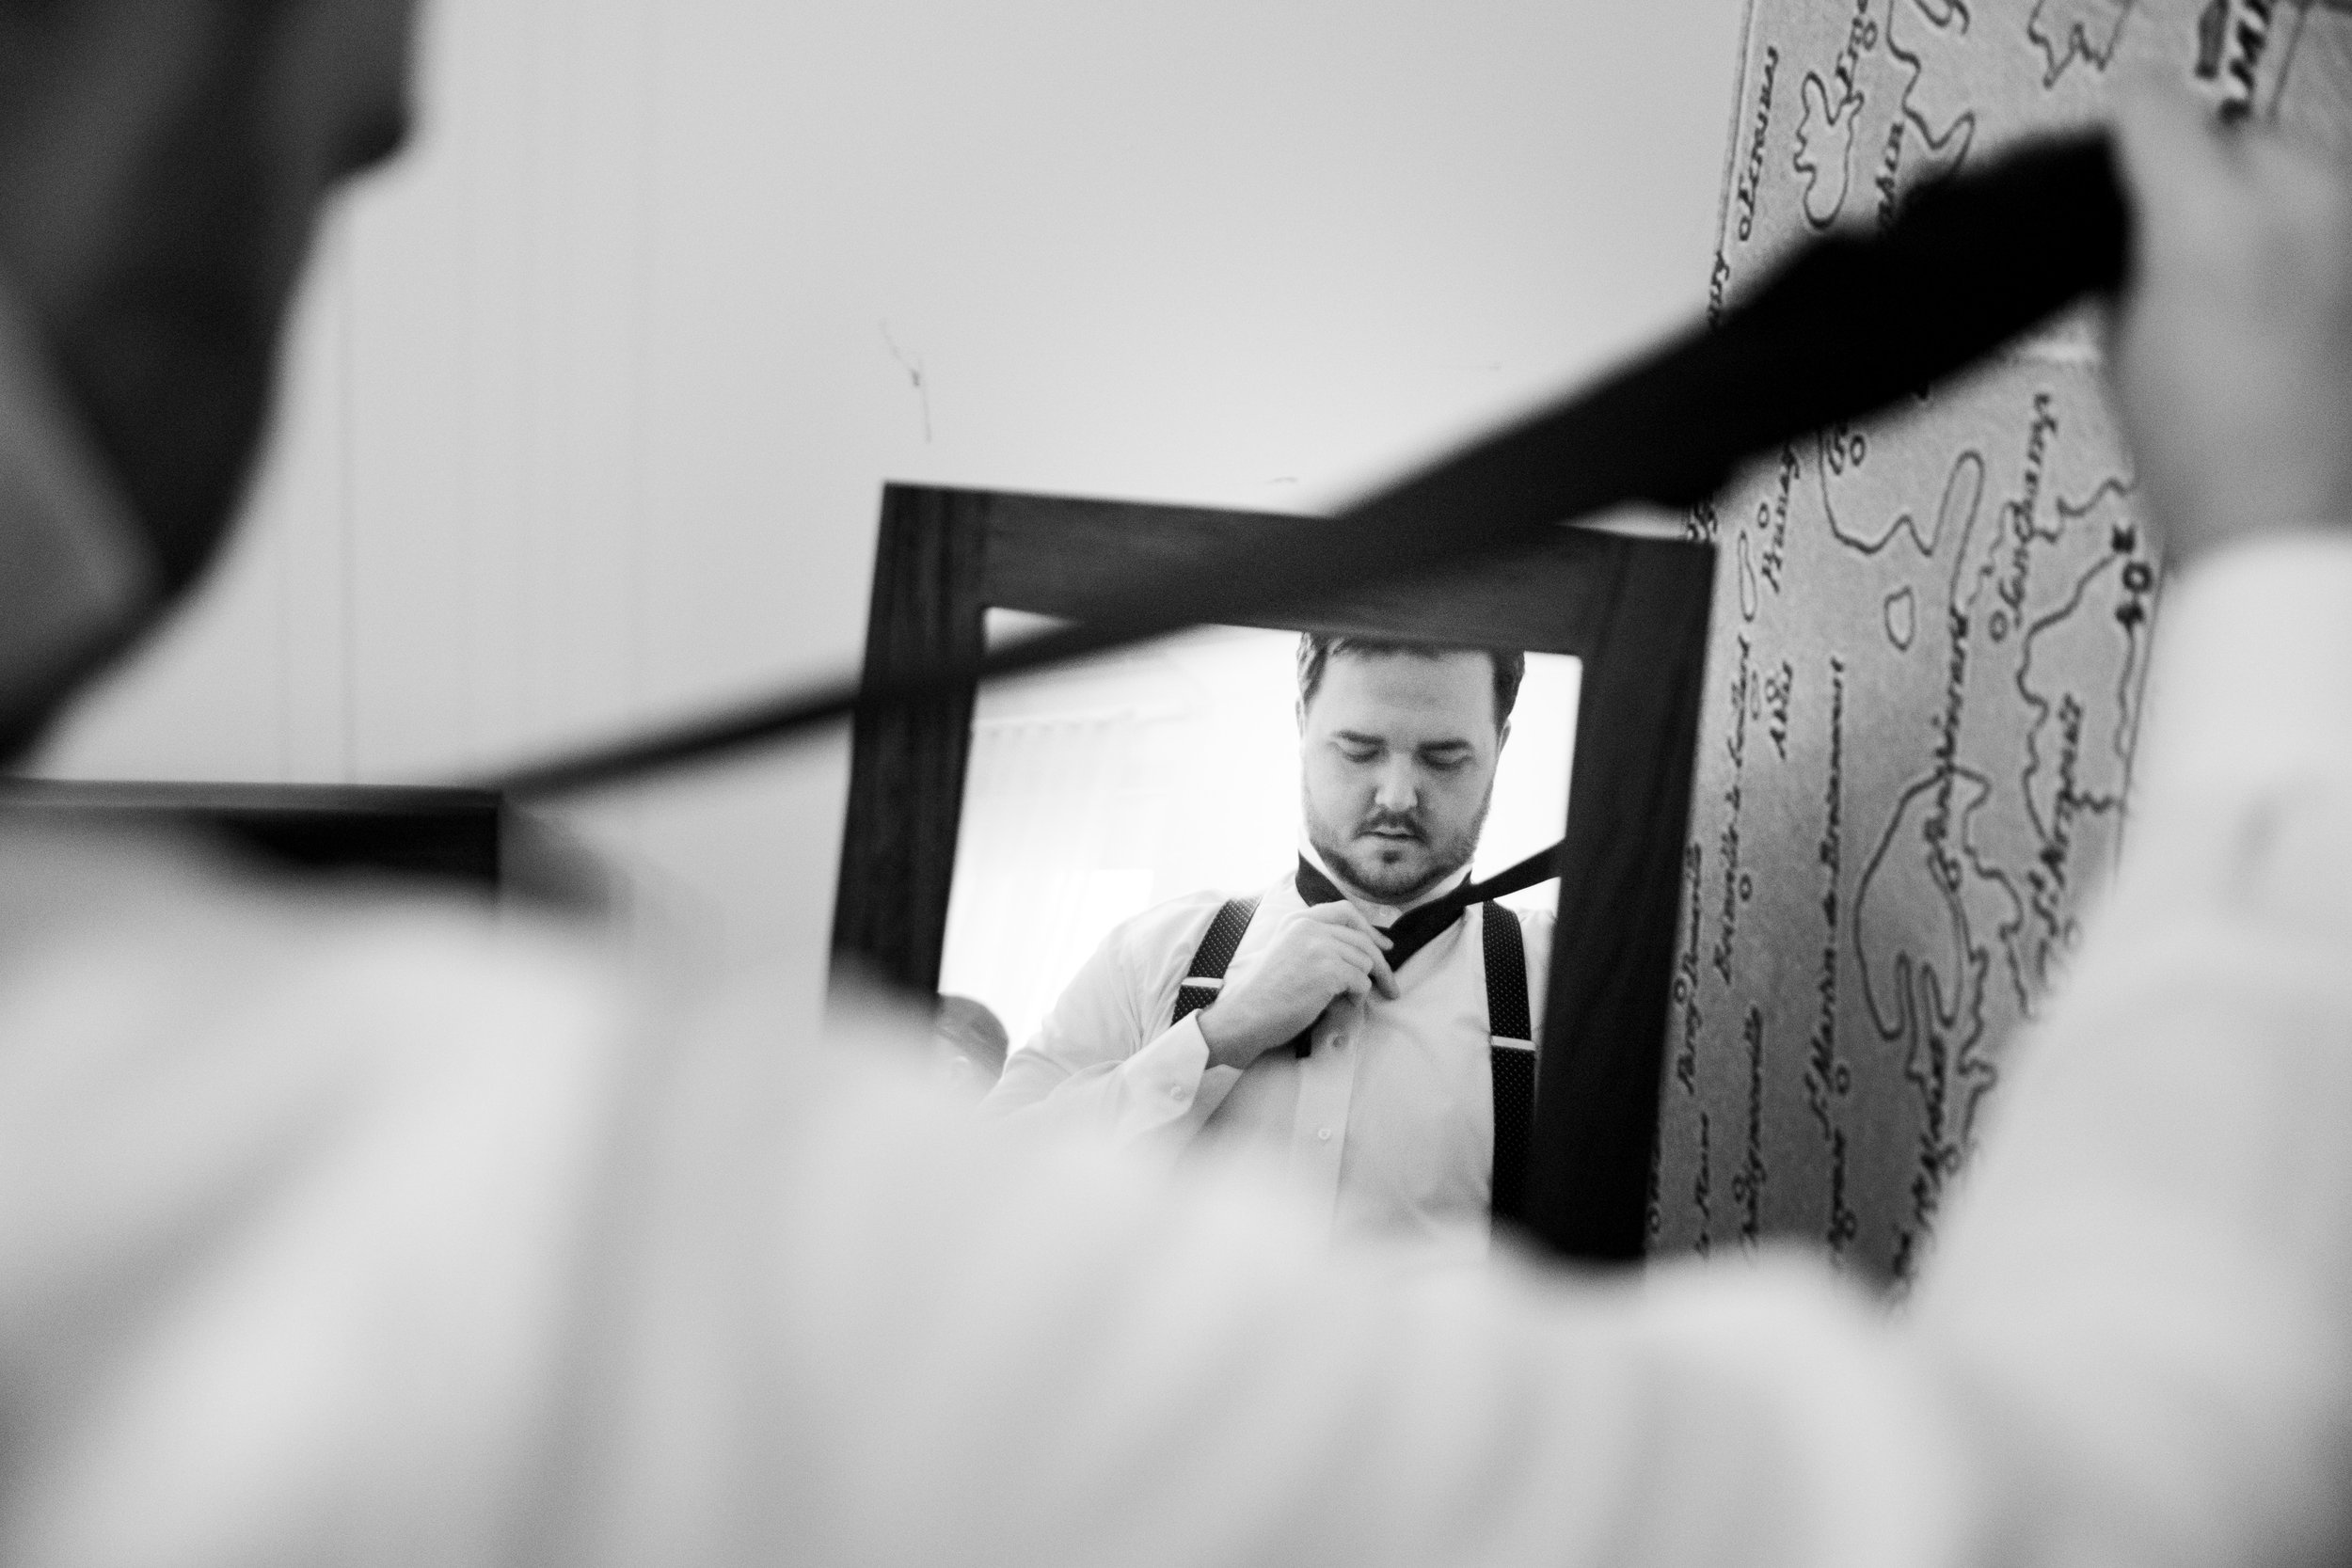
(1107, 1059)
(2144, 1290)
(2133, 1343)
(335, 1238)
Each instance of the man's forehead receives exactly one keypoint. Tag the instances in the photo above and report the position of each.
(1453, 691)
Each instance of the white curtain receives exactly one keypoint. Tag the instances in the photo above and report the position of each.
(1040, 874)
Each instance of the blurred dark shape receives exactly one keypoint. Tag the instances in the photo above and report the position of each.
(1836, 333)
(466, 841)
(969, 1031)
(451, 835)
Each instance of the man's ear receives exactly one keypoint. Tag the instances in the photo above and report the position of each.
(1502, 736)
(1298, 710)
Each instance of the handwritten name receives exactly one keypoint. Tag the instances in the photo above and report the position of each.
(1739, 887)
(1685, 991)
(1779, 691)
(1844, 1224)
(2047, 880)
(1938, 1152)
(1747, 1188)
(2017, 516)
(1826, 1073)
(1937, 830)
(1889, 180)
(1750, 180)
(1862, 35)
(1771, 521)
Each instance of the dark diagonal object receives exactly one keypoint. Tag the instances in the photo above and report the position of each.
(1845, 328)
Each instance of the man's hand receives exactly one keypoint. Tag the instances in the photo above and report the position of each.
(1319, 954)
(2233, 358)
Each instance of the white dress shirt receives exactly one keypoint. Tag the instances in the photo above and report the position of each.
(2143, 1300)
(338, 1228)
(1387, 1126)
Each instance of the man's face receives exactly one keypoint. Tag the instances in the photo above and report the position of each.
(1397, 764)
(162, 167)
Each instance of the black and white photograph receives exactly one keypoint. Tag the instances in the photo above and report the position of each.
(1125, 786)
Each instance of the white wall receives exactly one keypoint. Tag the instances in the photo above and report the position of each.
(592, 397)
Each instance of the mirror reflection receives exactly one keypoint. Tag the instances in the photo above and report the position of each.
(1211, 892)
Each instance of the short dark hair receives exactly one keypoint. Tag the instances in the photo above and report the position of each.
(1317, 649)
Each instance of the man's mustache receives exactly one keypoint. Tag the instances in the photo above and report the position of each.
(1391, 823)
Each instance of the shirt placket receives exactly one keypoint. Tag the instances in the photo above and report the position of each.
(1327, 1082)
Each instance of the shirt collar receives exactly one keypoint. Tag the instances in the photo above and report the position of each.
(1379, 914)
(75, 571)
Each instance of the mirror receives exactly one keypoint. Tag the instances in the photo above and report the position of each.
(1631, 614)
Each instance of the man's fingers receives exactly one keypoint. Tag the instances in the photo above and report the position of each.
(1364, 958)
(1375, 963)
(1347, 922)
(2170, 131)
(2176, 159)
(1364, 945)
(2232, 353)
(1340, 913)
(1355, 940)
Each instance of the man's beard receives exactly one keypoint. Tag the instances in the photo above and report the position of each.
(1354, 860)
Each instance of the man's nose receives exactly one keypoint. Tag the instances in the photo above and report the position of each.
(1396, 788)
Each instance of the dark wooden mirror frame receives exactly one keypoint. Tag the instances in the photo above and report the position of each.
(1634, 610)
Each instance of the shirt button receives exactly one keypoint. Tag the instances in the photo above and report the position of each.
(1324, 1135)
(1339, 1042)
(1175, 1091)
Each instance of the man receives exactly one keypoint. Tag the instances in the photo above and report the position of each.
(163, 168)
(338, 1231)
(1388, 1116)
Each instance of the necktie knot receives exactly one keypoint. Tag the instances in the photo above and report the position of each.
(1416, 928)
(1409, 932)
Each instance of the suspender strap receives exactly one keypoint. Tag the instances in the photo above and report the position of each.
(1511, 1054)
(1510, 1051)
(1215, 951)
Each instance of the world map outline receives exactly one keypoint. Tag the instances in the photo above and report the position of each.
(1931, 635)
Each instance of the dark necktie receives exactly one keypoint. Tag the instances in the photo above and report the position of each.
(1837, 333)
(1416, 928)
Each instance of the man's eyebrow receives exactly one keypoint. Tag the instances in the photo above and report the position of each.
(1358, 738)
(1457, 744)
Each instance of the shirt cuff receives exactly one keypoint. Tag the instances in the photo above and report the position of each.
(2251, 683)
(1171, 1082)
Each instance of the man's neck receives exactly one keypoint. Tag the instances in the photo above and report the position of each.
(1380, 912)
